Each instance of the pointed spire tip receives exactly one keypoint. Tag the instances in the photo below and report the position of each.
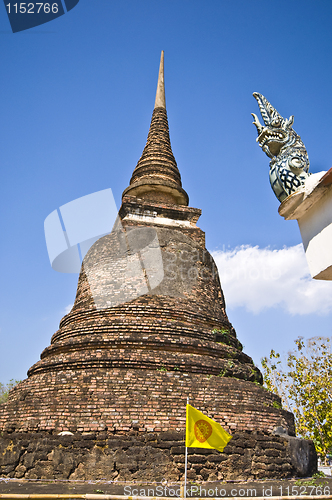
(160, 101)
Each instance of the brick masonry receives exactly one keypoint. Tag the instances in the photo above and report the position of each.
(121, 400)
(124, 372)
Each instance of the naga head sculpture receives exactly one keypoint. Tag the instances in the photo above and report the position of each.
(289, 159)
(276, 131)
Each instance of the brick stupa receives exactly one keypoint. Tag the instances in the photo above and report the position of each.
(117, 374)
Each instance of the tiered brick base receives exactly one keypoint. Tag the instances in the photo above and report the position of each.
(132, 423)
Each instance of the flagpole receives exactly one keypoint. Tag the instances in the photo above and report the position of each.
(186, 458)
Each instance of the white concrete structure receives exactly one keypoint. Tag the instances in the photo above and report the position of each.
(312, 207)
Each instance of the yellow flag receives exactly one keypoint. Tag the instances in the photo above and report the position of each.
(203, 432)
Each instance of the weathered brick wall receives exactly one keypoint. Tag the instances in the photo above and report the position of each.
(186, 269)
(120, 400)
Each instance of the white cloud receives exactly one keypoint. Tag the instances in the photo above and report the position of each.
(261, 278)
(68, 308)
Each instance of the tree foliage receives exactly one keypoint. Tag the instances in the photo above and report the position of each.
(304, 383)
(5, 388)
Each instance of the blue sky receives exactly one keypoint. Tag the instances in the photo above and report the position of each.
(76, 101)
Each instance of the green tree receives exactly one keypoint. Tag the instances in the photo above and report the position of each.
(5, 388)
(304, 383)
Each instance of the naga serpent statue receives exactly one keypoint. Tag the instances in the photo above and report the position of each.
(289, 163)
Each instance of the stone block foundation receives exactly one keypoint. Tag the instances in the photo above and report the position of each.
(147, 457)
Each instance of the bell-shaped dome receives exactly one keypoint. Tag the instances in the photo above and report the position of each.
(156, 176)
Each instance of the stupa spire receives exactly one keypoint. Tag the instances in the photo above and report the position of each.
(160, 101)
(156, 176)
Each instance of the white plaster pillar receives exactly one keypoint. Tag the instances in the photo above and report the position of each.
(312, 207)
